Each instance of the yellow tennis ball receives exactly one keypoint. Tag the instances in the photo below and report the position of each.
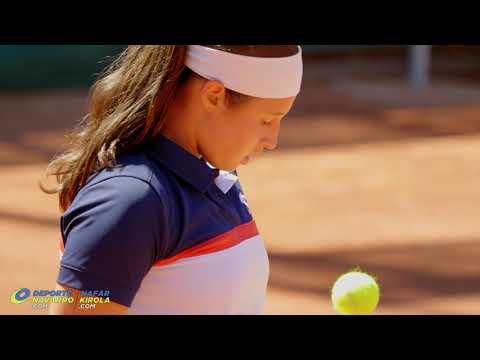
(355, 293)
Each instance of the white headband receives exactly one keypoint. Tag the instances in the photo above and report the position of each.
(271, 78)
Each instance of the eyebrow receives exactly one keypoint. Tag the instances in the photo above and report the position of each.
(278, 114)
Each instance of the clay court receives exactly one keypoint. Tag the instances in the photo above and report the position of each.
(367, 174)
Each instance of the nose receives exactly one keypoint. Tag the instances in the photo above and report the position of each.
(271, 141)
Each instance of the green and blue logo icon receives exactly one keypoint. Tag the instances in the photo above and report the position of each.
(20, 296)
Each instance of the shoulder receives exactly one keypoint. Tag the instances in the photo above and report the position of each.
(135, 176)
(134, 166)
(117, 212)
(133, 188)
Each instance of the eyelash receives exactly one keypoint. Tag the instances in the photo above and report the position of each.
(266, 123)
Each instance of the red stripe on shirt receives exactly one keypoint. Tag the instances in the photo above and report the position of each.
(218, 243)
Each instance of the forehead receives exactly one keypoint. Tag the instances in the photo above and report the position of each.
(274, 107)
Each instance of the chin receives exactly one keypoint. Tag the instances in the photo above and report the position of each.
(229, 168)
(225, 166)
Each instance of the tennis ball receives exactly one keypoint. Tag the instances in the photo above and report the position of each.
(355, 293)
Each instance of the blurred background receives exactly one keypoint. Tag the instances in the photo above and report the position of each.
(378, 160)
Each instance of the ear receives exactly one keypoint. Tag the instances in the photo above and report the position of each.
(213, 95)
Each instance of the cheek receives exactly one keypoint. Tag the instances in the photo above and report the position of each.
(237, 136)
(248, 137)
(227, 139)
(239, 144)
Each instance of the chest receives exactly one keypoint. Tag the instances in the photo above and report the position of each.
(229, 281)
(199, 217)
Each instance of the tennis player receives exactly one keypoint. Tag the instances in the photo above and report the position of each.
(154, 215)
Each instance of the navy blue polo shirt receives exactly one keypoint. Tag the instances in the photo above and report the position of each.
(161, 208)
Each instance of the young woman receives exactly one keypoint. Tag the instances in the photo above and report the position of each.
(153, 209)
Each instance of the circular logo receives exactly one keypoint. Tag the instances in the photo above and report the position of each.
(20, 296)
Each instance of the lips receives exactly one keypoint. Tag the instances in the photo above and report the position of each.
(252, 155)
(245, 160)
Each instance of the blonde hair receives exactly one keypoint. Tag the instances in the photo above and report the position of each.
(127, 107)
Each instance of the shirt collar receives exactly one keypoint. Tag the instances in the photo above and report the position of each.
(197, 172)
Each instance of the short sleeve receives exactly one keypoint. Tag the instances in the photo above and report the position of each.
(112, 233)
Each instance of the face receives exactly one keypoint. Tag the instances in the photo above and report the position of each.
(235, 133)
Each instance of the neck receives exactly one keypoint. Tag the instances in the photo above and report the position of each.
(179, 127)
